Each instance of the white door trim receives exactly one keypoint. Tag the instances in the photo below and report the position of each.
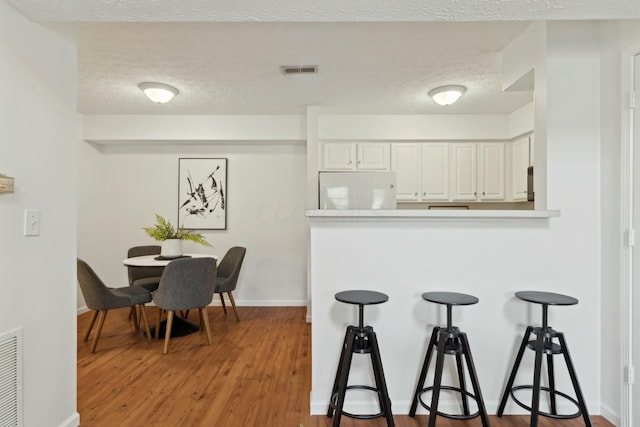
(627, 212)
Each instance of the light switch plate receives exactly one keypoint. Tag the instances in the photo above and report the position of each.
(31, 222)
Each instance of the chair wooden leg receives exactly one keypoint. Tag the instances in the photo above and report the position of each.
(91, 323)
(158, 320)
(224, 307)
(136, 319)
(233, 303)
(101, 317)
(143, 314)
(204, 320)
(167, 333)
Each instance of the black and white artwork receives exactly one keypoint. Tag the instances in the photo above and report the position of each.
(202, 197)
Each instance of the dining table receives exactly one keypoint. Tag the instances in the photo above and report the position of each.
(181, 325)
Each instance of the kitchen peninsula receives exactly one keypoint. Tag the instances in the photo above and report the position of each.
(403, 253)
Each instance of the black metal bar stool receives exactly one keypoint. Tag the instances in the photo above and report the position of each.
(449, 340)
(360, 339)
(543, 344)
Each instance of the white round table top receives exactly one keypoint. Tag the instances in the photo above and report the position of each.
(151, 261)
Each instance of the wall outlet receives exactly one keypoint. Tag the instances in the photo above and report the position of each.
(31, 222)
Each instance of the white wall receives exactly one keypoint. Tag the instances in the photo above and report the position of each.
(122, 186)
(37, 274)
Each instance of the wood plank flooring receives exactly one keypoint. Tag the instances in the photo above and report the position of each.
(256, 374)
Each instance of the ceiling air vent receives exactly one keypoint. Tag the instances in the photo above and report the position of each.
(299, 69)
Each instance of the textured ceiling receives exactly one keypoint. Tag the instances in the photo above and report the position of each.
(233, 68)
(322, 11)
(224, 55)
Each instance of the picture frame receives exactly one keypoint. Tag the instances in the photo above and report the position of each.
(202, 193)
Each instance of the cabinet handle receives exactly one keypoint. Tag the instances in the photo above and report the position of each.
(483, 193)
(359, 161)
(350, 162)
(475, 194)
(424, 194)
(416, 194)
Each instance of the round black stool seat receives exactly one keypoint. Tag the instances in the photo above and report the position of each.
(546, 298)
(544, 344)
(450, 298)
(360, 339)
(362, 297)
(452, 341)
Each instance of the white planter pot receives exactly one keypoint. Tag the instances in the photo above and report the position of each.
(171, 248)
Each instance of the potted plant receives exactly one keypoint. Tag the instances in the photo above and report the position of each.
(172, 237)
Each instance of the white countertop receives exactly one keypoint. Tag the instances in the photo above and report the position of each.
(434, 213)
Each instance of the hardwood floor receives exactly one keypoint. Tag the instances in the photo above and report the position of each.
(257, 373)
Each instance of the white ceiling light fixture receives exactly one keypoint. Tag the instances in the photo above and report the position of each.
(447, 95)
(158, 92)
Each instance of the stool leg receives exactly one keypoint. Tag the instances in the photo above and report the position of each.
(336, 382)
(344, 375)
(474, 380)
(463, 385)
(574, 380)
(535, 400)
(516, 365)
(381, 384)
(552, 384)
(423, 372)
(437, 380)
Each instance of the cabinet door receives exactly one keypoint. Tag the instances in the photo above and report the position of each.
(463, 173)
(373, 156)
(491, 171)
(405, 162)
(519, 164)
(435, 171)
(338, 156)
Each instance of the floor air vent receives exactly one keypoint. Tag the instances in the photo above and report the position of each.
(11, 379)
(299, 69)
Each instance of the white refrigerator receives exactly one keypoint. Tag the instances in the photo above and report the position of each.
(357, 190)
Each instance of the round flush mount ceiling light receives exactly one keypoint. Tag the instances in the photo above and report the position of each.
(447, 95)
(158, 92)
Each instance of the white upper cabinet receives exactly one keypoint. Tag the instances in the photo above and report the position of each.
(491, 166)
(405, 162)
(435, 171)
(422, 171)
(355, 156)
(463, 171)
(338, 156)
(440, 171)
(519, 165)
(373, 156)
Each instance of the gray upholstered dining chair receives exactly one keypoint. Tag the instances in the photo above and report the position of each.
(147, 277)
(101, 299)
(185, 284)
(227, 276)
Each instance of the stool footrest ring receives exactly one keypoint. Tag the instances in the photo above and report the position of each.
(334, 400)
(548, 390)
(442, 414)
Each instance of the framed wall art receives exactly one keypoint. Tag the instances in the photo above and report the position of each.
(202, 194)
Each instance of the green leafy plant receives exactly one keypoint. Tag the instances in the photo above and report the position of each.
(164, 230)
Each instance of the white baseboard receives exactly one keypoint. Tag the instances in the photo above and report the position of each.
(262, 303)
(610, 415)
(72, 421)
